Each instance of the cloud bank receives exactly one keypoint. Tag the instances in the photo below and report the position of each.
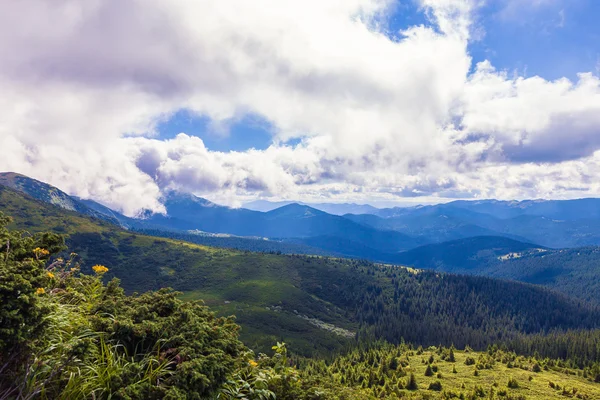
(83, 86)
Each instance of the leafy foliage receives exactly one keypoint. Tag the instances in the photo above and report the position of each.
(22, 259)
(78, 337)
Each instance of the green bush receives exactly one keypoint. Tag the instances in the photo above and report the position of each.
(67, 335)
(512, 383)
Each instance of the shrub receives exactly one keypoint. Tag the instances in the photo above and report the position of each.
(22, 305)
(72, 336)
(412, 383)
(437, 386)
(512, 383)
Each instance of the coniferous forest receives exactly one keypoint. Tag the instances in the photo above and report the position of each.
(71, 329)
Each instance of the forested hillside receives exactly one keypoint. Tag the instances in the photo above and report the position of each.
(316, 304)
(573, 272)
(69, 335)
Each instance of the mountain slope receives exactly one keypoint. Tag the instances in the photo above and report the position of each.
(112, 215)
(313, 303)
(467, 255)
(49, 194)
(574, 272)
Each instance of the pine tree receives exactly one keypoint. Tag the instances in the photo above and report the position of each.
(428, 371)
(412, 383)
(451, 357)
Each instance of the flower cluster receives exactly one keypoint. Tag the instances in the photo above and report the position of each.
(40, 253)
(100, 269)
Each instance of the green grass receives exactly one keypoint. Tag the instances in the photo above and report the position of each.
(536, 388)
(456, 378)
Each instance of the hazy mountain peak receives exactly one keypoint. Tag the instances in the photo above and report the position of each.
(296, 210)
(39, 190)
(174, 196)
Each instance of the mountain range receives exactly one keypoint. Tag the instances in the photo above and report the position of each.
(551, 223)
(553, 243)
(377, 234)
(316, 304)
(330, 208)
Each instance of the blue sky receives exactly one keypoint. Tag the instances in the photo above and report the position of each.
(235, 135)
(549, 38)
(313, 100)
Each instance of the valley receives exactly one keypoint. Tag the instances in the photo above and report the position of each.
(323, 305)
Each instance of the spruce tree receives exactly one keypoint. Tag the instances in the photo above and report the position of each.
(412, 383)
(428, 371)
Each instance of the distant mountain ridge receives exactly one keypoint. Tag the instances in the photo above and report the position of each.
(300, 222)
(551, 223)
(330, 208)
(574, 272)
(50, 194)
(295, 223)
(379, 234)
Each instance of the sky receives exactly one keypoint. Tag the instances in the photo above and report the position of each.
(366, 101)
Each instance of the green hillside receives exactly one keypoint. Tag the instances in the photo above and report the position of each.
(69, 336)
(315, 304)
(384, 371)
(573, 272)
(144, 263)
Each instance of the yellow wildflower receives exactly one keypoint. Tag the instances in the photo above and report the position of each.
(40, 290)
(50, 275)
(100, 269)
(39, 252)
(253, 363)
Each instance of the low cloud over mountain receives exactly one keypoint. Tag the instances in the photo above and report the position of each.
(357, 110)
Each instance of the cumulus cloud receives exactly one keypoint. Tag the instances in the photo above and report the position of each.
(83, 86)
(532, 119)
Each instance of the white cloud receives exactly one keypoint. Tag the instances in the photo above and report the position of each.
(83, 84)
(533, 119)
